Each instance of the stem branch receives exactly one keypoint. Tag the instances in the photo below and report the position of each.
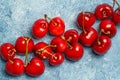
(83, 27)
(115, 1)
(26, 54)
(46, 17)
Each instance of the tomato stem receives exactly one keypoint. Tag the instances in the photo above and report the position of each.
(115, 1)
(50, 54)
(83, 27)
(42, 49)
(46, 17)
(11, 52)
(67, 41)
(102, 30)
(11, 61)
(98, 40)
(26, 54)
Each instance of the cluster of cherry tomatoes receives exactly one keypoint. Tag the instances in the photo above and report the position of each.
(67, 42)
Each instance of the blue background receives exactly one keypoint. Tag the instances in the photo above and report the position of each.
(17, 17)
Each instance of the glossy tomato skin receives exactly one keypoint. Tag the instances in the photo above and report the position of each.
(56, 59)
(88, 38)
(116, 16)
(15, 67)
(7, 51)
(75, 52)
(86, 20)
(104, 11)
(35, 68)
(103, 46)
(21, 44)
(41, 51)
(40, 28)
(56, 26)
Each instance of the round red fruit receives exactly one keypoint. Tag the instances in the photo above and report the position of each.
(21, 44)
(35, 67)
(88, 37)
(75, 52)
(86, 20)
(56, 26)
(15, 67)
(104, 11)
(40, 28)
(116, 16)
(102, 45)
(71, 36)
(56, 59)
(108, 28)
(7, 51)
(59, 43)
(42, 50)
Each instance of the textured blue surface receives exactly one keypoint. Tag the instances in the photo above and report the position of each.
(17, 17)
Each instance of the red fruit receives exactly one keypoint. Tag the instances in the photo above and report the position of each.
(71, 36)
(56, 59)
(15, 67)
(56, 26)
(35, 68)
(42, 51)
(59, 43)
(102, 45)
(116, 16)
(108, 28)
(21, 44)
(88, 37)
(7, 51)
(86, 19)
(104, 11)
(40, 28)
(75, 52)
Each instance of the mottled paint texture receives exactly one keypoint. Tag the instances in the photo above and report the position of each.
(17, 17)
